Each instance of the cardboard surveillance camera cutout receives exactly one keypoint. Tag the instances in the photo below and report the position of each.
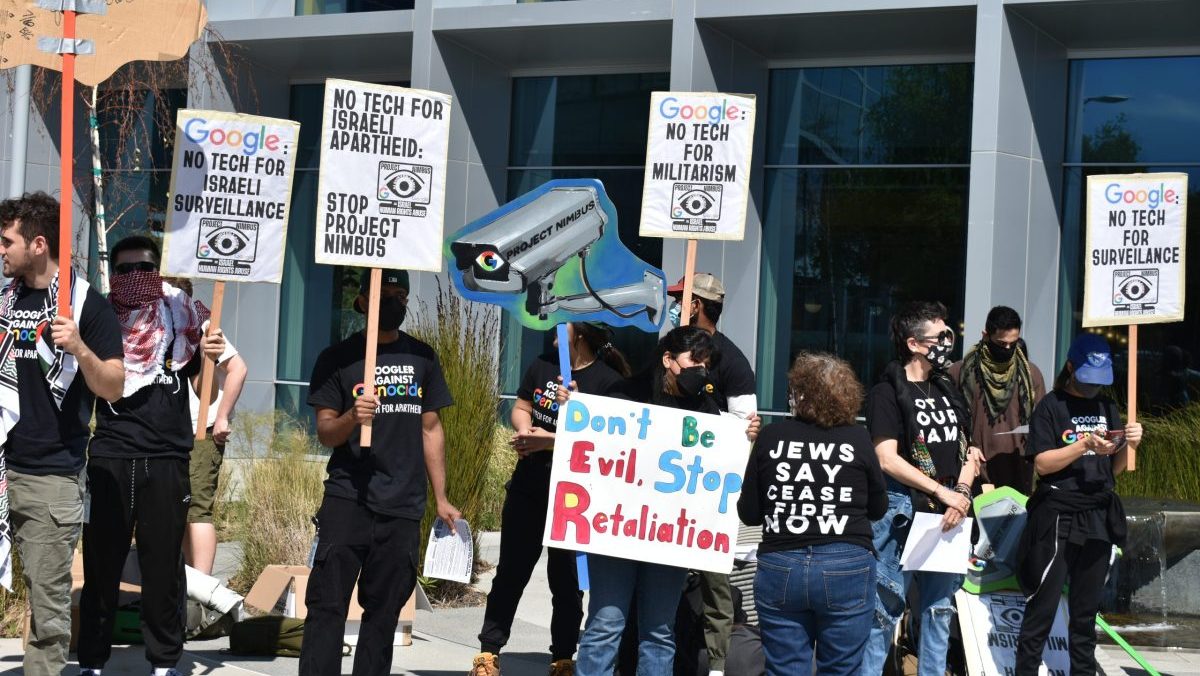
(553, 256)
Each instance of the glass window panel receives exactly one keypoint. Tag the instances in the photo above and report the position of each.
(135, 203)
(841, 249)
(918, 114)
(137, 130)
(1134, 110)
(304, 7)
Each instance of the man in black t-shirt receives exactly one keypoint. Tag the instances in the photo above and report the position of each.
(735, 393)
(44, 413)
(368, 526)
(138, 461)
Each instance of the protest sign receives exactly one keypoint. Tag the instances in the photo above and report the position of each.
(231, 185)
(697, 182)
(382, 190)
(991, 624)
(1136, 244)
(646, 483)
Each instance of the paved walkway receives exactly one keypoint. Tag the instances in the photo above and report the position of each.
(444, 641)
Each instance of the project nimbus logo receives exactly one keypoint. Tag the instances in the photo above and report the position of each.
(1153, 198)
(224, 242)
(671, 109)
(248, 143)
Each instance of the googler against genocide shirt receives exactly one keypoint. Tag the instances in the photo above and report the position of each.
(155, 421)
(389, 476)
(45, 440)
(539, 386)
(1061, 419)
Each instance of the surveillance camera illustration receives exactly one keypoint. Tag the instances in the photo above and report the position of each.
(553, 256)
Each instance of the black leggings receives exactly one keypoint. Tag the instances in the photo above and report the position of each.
(521, 530)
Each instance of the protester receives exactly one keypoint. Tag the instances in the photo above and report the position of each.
(814, 485)
(368, 525)
(918, 422)
(1001, 387)
(138, 460)
(597, 368)
(680, 380)
(1075, 518)
(734, 382)
(44, 416)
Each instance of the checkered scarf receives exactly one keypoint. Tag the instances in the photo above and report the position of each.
(59, 368)
(154, 316)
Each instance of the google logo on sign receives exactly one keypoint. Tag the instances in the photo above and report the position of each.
(489, 261)
(249, 142)
(1152, 198)
(670, 108)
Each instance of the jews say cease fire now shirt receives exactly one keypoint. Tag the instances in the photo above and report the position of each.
(389, 476)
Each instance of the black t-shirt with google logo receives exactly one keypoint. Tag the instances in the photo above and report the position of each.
(389, 476)
(539, 386)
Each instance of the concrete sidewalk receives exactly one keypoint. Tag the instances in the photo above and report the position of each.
(444, 641)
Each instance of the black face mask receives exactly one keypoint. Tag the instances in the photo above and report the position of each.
(391, 313)
(1001, 353)
(939, 356)
(693, 382)
(1087, 390)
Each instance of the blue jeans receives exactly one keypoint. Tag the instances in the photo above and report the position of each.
(821, 596)
(936, 605)
(615, 583)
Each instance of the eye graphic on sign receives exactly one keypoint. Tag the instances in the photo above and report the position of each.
(1135, 287)
(404, 183)
(695, 202)
(1012, 617)
(227, 241)
(489, 261)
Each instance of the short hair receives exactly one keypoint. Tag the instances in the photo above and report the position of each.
(711, 308)
(1002, 318)
(134, 243)
(691, 339)
(909, 319)
(38, 216)
(825, 391)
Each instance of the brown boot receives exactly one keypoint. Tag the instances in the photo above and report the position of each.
(562, 668)
(485, 664)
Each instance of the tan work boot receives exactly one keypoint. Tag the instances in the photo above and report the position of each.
(485, 664)
(562, 668)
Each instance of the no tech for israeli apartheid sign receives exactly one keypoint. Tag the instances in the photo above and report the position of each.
(382, 191)
(698, 165)
(231, 186)
(1136, 244)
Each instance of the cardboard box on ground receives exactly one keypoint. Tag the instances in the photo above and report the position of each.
(280, 590)
(129, 591)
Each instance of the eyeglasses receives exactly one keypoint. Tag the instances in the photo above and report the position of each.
(140, 266)
(946, 337)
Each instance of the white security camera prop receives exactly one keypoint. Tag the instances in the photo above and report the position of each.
(553, 256)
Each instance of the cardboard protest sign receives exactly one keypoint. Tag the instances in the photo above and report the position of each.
(697, 183)
(158, 30)
(646, 483)
(231, 187)
(1136, 244)
(552, 256)
(382, 190)
(990, 626)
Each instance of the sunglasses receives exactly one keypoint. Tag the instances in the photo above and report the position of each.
(140, 266)
(946, 337)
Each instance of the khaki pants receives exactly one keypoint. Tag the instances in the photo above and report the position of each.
(47, 516)
(718, 616)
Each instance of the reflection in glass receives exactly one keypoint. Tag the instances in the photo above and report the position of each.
(305, 7)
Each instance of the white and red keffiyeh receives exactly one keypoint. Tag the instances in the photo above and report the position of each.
(154, 316)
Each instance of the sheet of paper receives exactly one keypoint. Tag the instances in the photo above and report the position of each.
(930, 550)
(450, 556)
(1022, 429)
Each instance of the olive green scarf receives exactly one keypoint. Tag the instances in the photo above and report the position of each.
(999, 382)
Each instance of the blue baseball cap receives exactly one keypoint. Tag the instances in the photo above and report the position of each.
(1092, 359)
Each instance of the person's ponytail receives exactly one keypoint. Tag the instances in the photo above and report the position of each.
(599, 338)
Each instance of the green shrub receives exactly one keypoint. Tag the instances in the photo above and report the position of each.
(500, 468)
(12, 603)
(1168, 461)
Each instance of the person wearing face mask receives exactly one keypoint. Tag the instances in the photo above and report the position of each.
(680, 380)
(1078, 446)
(368, 525)
(1001, 387)
(919, 424)
(138, 460)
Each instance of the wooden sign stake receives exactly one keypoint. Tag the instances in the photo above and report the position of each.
(689, 271)
(209, 371)
(66, 166)
(364, 438)
(1131, 454)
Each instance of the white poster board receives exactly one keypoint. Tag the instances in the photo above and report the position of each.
(990, 626)
(646, 483)
(382, 192)
(698, 148)
(231, 187)
(1136, 244)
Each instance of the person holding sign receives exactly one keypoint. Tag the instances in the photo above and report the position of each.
(52, 368)
(1075, 518)
(814, 485)
(597, 368)
(368, 526)
(680, 380)
(919, 424)
(138, 460)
